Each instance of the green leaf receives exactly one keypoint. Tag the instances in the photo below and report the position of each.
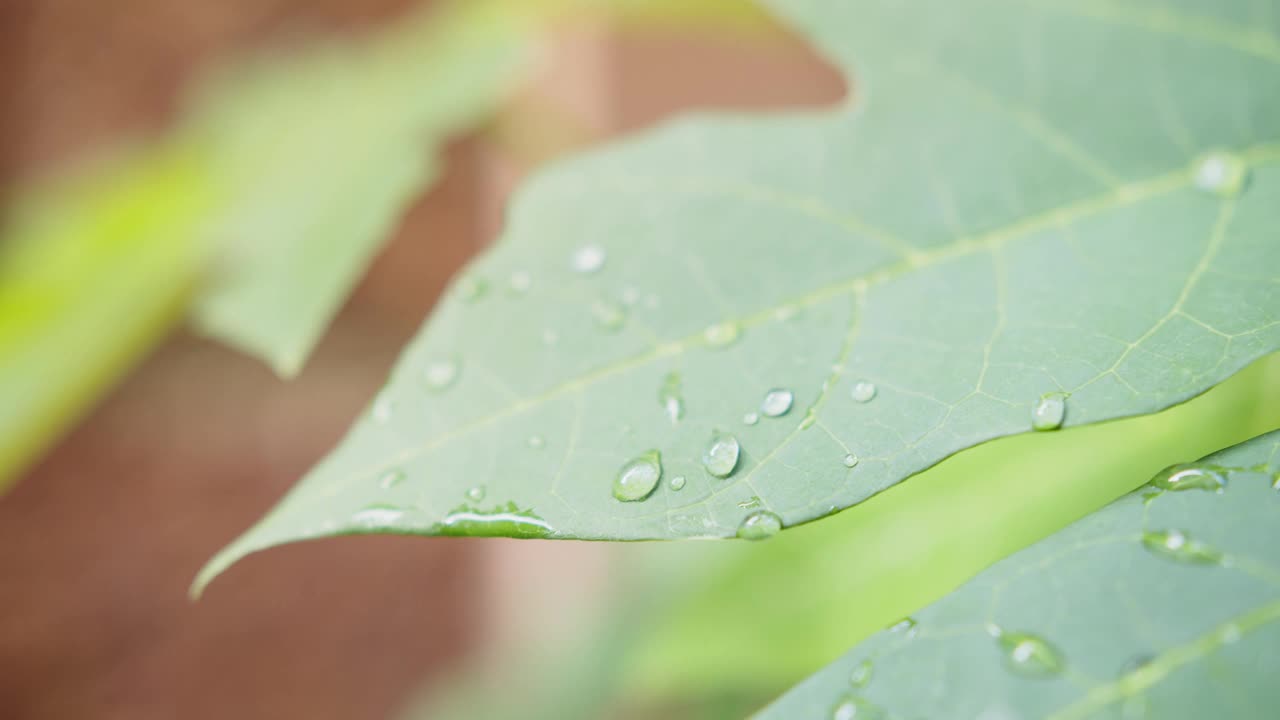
(971, 236)
(322, 151)
(1164, 604)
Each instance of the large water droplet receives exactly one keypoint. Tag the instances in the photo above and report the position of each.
(1191, 477)
(722, 335)
(503, 521)
(677, 482)
(471, 288)
(1221, 173)
(520, 282)
(863, 391)
(777, 402)
(638, 478)
(377, 516)
(721, 455)
(861, 674)
(759, 525)
(476, 494)
(669, 397)
(391, 478)
(587, 259)
(751, 418)
(608, 315)
(1177, 545)
(1028, 654)
(440, 374)
(850, 460)
(1049, 411)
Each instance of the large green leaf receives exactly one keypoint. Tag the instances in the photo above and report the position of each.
(320, 154)
(1162, 605)
(1019, 204)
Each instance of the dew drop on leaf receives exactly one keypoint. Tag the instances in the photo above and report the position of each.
(383, 409)
(751, 418)
(630, 296)
(550, 337)
(777, 402)
(639, 477)
(863, 392)
(440, 374)
(377, 516)
(1177, 545)
(760, 525)
(721, 456)
(1049, 412)
(1221, 173)
(520, 282)
(476, 494)
(587, 259)
(608, 315)
(852, 707)
(905, 626)
(850, 460)
(722, 334)
(861, 674)
(471, 288)
(391, 478)
(537, 442)
(1191, 477)
(1028, 654)
(669, 397)
(677, 482)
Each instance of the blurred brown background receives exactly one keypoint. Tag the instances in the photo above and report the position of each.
(99, 542)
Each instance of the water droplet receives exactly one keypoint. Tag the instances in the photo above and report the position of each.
(1049, 412)
(638, 478)
(377, 516)
(852, 707)
(759, 525)
(777, 402)
(520, 282)
(850, 460)
(677, 482)
(1221, 173)
(537, 442)
(476, 494)
(722, 334)
(669, 397)
(1177, 545)
(440, 374)
(587, 259)
(861, 674)
(1028, 654)
(630, 296)
(721, 456)
(785, 313)
(503, 521)
(471, 288)
(1275, 481)
(391, 478)
(550, 337)
(751, 418)
(863, 391)
(1191, 477)
(905, 626)
(383, 408)
(1229, 634)
(608, 315)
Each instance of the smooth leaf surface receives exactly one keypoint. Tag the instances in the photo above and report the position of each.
(1013, 207)
(322, 152)
(1100, 620)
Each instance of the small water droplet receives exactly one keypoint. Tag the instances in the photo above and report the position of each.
(861, 674)
(383, 409)
(751, 418)
(721, 455)
(391, 478)
(777, 402)
(669, 397)
(1221, 173)
(677, 482)
(1177, 545)
(863, 391)
(639, 477)
(537, 442)
(377, 516)
(1028, 654)
(550, 337)
(1275, 481)
(759, 525)
(476, 494)
(520, 282)
(850, 460)
(1049, 411)
(440, 374)
(905, 626)
(1229, 634)
(608, 315)
(587, 259)
(1191, 477)
(630, 296)
(785, 313)
(722, 334)
(471, 288)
